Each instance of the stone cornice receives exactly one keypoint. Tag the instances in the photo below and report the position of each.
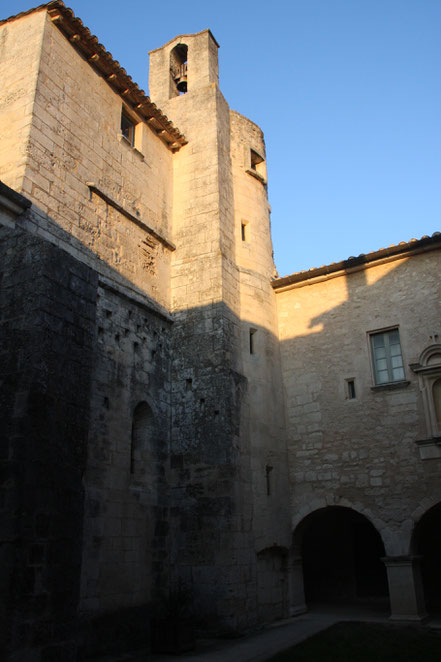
(139, 222)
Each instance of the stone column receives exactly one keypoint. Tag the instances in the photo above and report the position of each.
(405, 588)
(297, 603)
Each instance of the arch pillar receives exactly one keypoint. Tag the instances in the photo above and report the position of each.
(296, 595)
(405, 588)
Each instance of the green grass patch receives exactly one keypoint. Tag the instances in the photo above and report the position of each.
(367, 642)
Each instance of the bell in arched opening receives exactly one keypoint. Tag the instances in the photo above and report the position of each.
(178, 68)
(181, 79)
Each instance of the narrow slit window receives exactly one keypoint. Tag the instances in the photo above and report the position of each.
(253, 341)
(244, 231)
(268, 470)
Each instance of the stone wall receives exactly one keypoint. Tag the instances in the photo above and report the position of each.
(259, 342)
(71, 136)
(126, 545)
(360, 452)
(47, 321)
(149, 385)
(18, 74)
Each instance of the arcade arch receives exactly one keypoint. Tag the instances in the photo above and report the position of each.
(340, 553)
(426, 543)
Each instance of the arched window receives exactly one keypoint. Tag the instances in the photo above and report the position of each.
(141, 450)
(178, 70)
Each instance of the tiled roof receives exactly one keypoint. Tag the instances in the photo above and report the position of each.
(413, 245)
(102, 61)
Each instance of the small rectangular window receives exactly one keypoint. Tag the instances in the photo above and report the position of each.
(351, 389)
(253, 341)
(256, 159)
(128, 128)
(257, 166)
(244, 231)
(386, 357)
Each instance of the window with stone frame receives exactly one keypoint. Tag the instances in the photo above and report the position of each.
(128, 128)
(428, 370)
(387, 359)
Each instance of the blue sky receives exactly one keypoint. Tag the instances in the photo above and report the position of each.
(347, 93)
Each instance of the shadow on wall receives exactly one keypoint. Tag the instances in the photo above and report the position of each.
(351, 430)
(98, 370)
(55, 317)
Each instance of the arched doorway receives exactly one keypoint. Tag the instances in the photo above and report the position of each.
(427, 543)
(341, 553)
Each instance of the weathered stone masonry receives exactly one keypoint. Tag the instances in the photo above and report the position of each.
(47, 340)
(174, 413)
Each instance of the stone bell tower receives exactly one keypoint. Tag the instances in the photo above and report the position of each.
(193, 56)
(223, 513)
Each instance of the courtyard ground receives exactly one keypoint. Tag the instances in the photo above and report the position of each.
(283, 635)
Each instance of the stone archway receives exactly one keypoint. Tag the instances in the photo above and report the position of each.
(341, 554)
(426, 543)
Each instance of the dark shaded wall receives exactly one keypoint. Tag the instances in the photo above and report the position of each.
(125, 568)
(47, 322)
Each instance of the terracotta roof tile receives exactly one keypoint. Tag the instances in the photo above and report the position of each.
(116, 76)
(425, 243)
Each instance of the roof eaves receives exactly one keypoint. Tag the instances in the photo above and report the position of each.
(414, 245)
(117, 78)
(29, 11)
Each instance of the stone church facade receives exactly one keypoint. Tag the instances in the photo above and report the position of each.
(174, 414)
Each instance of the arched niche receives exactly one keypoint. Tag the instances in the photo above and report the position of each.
(142, 449)
(178, 70)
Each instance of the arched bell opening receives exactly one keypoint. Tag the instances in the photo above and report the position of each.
(178, 69)
(426, 543)
(341, 553)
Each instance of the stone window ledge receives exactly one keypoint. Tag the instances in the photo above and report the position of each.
(391, 386)
(123, 139)
(256, 175)
(430, 449)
